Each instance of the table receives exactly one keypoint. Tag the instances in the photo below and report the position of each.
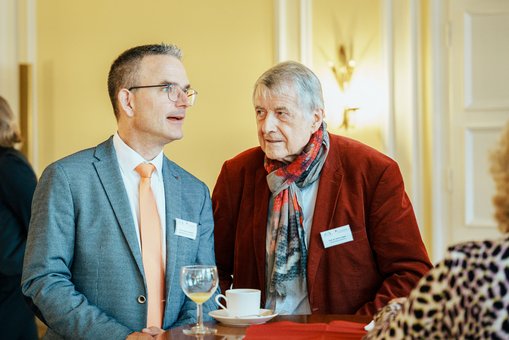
(236, 333)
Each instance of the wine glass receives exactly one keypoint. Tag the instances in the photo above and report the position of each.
(199, 282)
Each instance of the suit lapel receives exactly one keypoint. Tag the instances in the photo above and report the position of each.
(261, 202)
(172, 194)
(325, 206)
(109, 174)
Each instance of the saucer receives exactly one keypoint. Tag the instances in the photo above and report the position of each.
(222, 316)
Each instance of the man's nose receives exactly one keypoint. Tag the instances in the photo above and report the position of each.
(182, 100)
(269, 123)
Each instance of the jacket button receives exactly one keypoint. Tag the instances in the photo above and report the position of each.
(142, 299)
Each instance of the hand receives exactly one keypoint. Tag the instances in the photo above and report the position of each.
(149, 333)
(153, 331)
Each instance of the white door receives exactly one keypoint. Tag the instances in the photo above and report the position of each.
(479, 108)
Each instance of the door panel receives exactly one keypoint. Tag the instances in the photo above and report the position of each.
(479, 108)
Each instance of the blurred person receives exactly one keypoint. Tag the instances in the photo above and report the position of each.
(466, 295)
(320, 223)
(17, 185)
(101, 261)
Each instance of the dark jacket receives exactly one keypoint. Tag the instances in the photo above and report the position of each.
(17, 185)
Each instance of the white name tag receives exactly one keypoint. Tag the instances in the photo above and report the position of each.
(336, 236)
(186, 229)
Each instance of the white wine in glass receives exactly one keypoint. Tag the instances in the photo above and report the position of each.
(199, 283)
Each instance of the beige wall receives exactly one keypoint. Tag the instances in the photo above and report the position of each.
(226, 43)
(355, 24)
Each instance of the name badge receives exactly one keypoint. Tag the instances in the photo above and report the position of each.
(336, 236)
(186, 229)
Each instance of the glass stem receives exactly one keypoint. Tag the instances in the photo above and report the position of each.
(199, 316)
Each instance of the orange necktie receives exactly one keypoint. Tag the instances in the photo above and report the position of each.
(150, 233)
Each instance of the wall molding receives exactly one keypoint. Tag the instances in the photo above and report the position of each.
(417, 116)
(30, 57)
(281, 47)
(9, 81)
(306, 32)
(388, 50)
(439, 143)
(294, 31)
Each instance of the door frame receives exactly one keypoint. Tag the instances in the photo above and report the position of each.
(440, 117)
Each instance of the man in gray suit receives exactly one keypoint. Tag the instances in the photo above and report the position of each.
(83, 268)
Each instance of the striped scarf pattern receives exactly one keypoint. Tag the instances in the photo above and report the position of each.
(287, 249)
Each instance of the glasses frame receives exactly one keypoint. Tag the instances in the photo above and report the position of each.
(190, 93)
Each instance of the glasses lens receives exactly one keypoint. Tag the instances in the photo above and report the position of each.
(173, 93)
(191, 96)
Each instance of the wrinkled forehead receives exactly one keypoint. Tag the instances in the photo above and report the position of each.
(285, 89)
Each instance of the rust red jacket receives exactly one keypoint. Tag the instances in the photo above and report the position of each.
(358, 186)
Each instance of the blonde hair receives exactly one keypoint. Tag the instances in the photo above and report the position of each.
(9, 132)
(500, 173)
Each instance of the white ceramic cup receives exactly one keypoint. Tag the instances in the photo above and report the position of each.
(240, 302)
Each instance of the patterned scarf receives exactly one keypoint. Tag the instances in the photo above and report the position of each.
(287, 250)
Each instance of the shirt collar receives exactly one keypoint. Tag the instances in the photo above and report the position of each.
(129, 159)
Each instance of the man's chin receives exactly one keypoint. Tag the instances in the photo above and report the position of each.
(274, 156)
(175, 137)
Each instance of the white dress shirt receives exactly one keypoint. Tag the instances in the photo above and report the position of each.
(128, 160)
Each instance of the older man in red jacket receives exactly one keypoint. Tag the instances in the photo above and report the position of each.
(320, 223)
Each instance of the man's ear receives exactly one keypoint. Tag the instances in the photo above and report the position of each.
(125, 100)
(318, 115)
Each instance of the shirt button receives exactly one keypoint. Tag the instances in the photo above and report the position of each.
(142, 299)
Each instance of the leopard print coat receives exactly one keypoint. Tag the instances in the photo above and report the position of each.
(464, 297)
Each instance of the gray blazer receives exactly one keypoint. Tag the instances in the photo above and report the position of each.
(83, 268)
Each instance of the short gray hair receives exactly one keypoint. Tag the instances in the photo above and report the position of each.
(290, 73)
(124, 70)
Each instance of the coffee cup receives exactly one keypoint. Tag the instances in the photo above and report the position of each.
(240, 302)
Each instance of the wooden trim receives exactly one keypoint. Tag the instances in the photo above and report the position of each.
(26, 108)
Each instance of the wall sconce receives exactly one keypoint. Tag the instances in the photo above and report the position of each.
(347, 121)
(343, 73)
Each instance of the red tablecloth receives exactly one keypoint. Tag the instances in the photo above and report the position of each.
(306, 331)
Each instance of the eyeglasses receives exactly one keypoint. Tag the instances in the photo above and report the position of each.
(173, 91)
